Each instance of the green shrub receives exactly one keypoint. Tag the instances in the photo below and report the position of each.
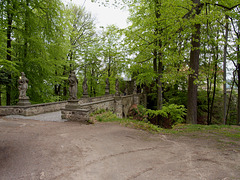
(98, 111)
(107, 117)
(138, 112)
(175, 112)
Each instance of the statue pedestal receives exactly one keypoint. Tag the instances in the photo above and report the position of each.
(72, 104)
(24, 101)
(72, 112)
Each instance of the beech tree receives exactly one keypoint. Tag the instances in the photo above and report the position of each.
(35, 44)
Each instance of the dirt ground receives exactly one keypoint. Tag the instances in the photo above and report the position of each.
(31, 150)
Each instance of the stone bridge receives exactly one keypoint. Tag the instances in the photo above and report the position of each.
(83, 107)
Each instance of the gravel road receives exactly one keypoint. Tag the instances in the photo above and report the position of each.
(33, 150)
(52, 116)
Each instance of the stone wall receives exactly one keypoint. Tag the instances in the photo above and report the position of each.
(117, 104)
(94, 99)
(127, 102)
(32, 109)
(87, 106)
(107, 104)
(79, 115)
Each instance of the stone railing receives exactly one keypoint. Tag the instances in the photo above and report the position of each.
(32, 109)
(94, 99)
(117, 104)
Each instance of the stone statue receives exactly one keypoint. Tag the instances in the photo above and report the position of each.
(23, 86)
(73, 83)
(85, 87)
(117, 87)
(107, 89)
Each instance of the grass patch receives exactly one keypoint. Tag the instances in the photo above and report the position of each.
(147, 126)
(228, 131)
(222, 131)
(108, 116)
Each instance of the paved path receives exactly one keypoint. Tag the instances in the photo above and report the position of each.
(33, 150)
(52, 116)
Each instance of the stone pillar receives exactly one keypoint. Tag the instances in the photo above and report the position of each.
(136, 99)
(118, 106)
(24, 101)
(79, 115)
(72, 104)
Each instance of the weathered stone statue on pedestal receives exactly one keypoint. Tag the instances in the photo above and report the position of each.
(117, 93)
(107, 88)
(72, 111)
(73, 83)
(85, 88)
(23, 86)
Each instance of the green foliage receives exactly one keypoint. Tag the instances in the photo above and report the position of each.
(175, 112)
(232, 132)
(49, 39)
(110, 117)
(138, 113)
(38, 46)
(147, 126)
(98, 111)
(107, 117)
(220, 130)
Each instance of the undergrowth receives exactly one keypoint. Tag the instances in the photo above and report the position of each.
(219, 130)
(108, 116)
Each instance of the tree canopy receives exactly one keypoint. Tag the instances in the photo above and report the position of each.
(181, 52)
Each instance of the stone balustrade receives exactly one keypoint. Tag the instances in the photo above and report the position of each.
(117, 104)
(82, 107)
(32, 109)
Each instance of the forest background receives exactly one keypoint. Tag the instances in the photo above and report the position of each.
(177, 52)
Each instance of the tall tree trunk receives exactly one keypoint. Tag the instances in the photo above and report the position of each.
(214, 92)
(230, 97)
(0, 94)
(224, 72)
(238, 72)
(194, 65)
(65, 82)
(159, 84)
(9, 46)
(209, 85)
(26, 34)
(109, 68)
(158, 67)
(215, 62)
